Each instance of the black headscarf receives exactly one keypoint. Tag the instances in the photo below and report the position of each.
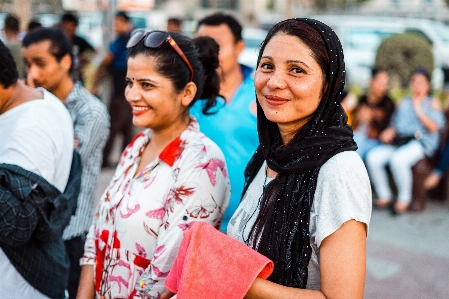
(281, 230)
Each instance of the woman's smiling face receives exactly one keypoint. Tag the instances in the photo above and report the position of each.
(155, 102)
(288, 82)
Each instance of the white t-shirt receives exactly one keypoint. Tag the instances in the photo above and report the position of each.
(37, 136)
(343, 192)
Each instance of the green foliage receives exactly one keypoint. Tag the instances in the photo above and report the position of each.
(401, 54)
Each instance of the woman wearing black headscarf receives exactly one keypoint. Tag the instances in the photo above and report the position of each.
(307, 200)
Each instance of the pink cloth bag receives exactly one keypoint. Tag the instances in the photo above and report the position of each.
(211, 264)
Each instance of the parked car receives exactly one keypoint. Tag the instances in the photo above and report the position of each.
(361, 36)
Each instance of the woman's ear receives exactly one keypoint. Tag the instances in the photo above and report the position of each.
(188, 94)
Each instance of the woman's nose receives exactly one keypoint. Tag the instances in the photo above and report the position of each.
(276, 81)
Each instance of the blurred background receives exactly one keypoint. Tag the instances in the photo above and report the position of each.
(361, 24)
(408, 256)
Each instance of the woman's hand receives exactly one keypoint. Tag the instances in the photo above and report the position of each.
(167, 294)
(387, 135)
(427, 121)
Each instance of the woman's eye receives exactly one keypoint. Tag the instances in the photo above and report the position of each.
(146, 85)
(129, 83)
(266, 66)
(297, 70)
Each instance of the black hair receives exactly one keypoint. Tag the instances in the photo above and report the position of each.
(377, 70)
(175, 21)
(219, 18)
(69, 17)
(123, 15)
(423, 71)
(12, 23)
(59, 42)
(34, 24)
(201, 52)
(8, 69)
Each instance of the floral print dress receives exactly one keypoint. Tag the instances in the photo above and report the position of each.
(141, 217)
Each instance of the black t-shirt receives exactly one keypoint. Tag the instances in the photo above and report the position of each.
(82, 44)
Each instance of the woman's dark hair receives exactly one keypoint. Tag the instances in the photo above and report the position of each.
(8, 69)
(423, 71)
(201, 52)
(312, 38)
(377, 70)
(60, 44)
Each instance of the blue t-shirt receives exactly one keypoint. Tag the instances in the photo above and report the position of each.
(118, 48)
(234, 129)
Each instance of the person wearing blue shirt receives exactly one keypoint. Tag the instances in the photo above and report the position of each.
(233, 126)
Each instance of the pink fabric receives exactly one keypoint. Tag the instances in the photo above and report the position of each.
(211, 264)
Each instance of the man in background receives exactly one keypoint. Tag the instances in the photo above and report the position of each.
(234, 126)
(47, 53)
(81, 49)
(115, 64)
(11, 30)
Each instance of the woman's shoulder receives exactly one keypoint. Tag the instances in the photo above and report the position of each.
(344, 162)
(342, 175)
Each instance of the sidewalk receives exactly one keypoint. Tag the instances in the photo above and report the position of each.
(407, 255)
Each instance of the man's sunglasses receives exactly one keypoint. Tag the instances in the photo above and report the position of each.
(155, 39)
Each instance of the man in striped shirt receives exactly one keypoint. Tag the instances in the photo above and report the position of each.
(47, 53)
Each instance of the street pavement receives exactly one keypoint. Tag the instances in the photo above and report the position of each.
(407, 255)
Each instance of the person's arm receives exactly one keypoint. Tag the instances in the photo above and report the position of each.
(91, 131)
(199, 195)
(86, 287)
(427, 120)
(18, 217)
(387, 135)
(342, 269)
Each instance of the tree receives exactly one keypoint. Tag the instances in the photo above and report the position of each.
(403, 53)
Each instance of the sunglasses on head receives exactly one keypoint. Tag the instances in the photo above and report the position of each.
(155, 39)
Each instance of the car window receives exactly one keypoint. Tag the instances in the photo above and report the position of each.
(366, 39)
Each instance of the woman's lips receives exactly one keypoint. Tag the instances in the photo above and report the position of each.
(138, 110)
(275, 100)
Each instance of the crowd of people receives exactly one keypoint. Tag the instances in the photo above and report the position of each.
(265, 157)
(393, 138)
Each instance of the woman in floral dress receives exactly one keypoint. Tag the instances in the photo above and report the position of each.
(170, 176)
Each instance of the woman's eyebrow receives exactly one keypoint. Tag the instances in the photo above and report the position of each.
(297, 61)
